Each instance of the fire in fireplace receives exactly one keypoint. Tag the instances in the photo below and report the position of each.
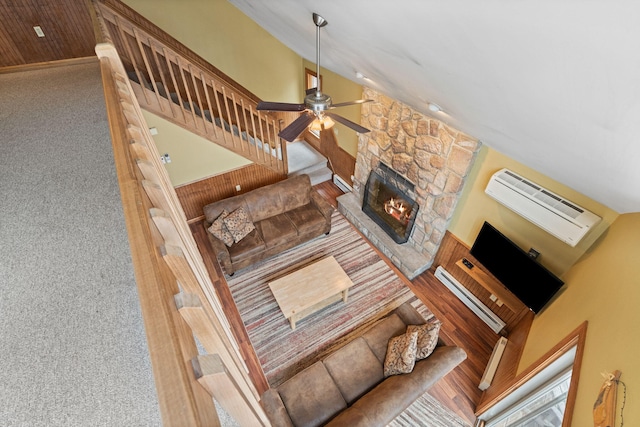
(389, 202)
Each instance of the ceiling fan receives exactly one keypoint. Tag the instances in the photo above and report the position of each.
(316, 104)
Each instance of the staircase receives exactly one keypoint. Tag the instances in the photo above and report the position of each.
(174, 83)
(304, 159)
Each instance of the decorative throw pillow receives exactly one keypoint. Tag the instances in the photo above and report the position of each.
(220, 230)
(239, 224)
(401, 354)
(427, 338)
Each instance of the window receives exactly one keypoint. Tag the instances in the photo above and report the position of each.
(544, 394)
(543, 407)
(311, 79)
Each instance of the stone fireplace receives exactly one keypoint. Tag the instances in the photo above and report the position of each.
(389, 200)
(423, 158)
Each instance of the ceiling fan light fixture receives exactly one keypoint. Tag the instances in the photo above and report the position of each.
(322, 124)
(315, 111)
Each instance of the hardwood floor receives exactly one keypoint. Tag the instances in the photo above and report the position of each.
(458, 390)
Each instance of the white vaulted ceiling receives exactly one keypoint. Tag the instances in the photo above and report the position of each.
(552, 84)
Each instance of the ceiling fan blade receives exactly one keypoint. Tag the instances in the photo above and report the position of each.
(344, 104)
(279, 106)
(347, 122)
(291, 132)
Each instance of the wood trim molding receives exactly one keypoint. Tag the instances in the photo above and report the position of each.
(48, 64)
(576, 338)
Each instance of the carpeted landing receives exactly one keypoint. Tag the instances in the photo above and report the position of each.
(376, 291)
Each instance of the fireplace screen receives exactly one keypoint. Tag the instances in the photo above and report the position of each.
(391, 207)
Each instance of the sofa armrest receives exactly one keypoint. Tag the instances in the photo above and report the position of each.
(220, 250)
(321, 203)
(392, 396)
(275, 409)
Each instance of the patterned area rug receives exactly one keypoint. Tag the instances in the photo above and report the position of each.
(428, 412)
(283, 352)
(376, 291)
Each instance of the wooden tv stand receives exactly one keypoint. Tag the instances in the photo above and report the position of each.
(496, 288)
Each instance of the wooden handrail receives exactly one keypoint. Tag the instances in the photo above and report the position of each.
(179, 398)
(165, 254)
(175, 83)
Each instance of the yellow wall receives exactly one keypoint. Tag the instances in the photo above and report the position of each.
(602, 283)
(475, 207)
(341, 90)
(232, 42)
(192, 157)
(603, 288)
(240, 48)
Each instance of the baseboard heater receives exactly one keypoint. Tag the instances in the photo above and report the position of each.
(470, 300)
(492, 366)
(342, 184)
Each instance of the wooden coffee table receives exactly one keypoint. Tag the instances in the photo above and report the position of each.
(310, 289)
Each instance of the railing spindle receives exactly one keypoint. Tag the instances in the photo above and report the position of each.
(235, 120)
(209, 106)
(229, 120)
(221, 118)
(152, 79)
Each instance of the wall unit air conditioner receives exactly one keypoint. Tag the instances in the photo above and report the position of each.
(557, 216)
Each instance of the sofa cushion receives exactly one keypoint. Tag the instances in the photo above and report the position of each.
(378, 336)
(251, 245)
(427, 338)
(213, 210)
(219, 229)
(307, 219)
(276, 230)
(355, 369)
(401, 354)
(239, 224)
(265, 202)
(311, 397)
(393, 395)
(295, 191)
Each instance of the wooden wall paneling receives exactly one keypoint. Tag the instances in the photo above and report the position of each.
(453, 250)
(196, 195)
(66, 24)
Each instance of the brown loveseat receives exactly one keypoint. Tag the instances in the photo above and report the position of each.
(285, 214)
(348, 387)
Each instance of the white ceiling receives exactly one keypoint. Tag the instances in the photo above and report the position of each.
(552, 84)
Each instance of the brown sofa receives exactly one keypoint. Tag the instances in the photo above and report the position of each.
(285, 214)
(348, 389)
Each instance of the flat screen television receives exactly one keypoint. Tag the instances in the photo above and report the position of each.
(527, 279)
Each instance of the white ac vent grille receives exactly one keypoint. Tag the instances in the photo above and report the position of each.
(470, 300)
(545, 196)
(549, 211)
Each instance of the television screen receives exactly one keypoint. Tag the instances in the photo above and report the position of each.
(533, 284)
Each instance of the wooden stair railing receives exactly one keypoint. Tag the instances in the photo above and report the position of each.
(189, 94)
(170, 270)
(177, 295)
